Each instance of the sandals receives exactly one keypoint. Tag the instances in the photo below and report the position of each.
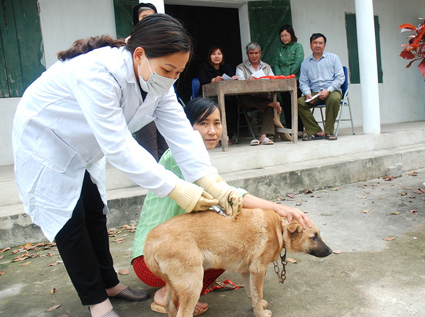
(161, 309)
(331, 137)
(313, 137)
(226, 285)
(255, 142)
(267, 141)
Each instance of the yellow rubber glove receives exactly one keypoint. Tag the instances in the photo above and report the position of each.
(228, 196)
(191, 197)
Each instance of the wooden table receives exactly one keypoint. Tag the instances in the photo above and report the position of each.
(242, 87)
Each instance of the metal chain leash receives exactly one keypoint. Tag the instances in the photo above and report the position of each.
(281, 275)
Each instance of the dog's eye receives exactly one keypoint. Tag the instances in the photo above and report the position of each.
(315, 237)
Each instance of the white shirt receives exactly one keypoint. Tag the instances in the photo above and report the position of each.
(81, 110)
(245, 70)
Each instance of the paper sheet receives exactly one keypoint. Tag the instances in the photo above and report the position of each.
(314, 97)
(258, 74)
(227, 77)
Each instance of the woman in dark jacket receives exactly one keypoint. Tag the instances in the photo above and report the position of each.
(212, 71)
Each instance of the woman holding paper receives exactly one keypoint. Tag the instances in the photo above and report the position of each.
(215, 67)
(213, 70)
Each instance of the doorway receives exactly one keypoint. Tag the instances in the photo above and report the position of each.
(208, 26)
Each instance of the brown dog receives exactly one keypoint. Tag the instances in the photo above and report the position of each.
(179, 250)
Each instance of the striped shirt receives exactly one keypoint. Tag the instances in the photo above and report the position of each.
(326, 73)
(157, 210)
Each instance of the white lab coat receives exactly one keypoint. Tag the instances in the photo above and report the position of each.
(81, 110)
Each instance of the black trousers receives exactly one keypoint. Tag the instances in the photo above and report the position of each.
(231, 115)
(83, 244)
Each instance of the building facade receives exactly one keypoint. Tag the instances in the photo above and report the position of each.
(232, 23)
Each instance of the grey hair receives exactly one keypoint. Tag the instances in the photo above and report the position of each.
(253, 46)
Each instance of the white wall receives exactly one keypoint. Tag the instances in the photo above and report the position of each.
(402, 96)
(159, 5)
(63, 22)
(402, 93)
(8, 108)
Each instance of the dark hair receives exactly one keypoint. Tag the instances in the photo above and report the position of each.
(86, 45)
(139, 8)
(288, 28)
(199, 109)
(159, 34)
(316, 36)
(211, 50)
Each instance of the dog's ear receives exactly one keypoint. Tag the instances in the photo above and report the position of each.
(294, 226)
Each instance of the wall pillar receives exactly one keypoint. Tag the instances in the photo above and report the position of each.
(159, 4)
(368, 66)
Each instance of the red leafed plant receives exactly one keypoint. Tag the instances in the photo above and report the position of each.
(415, 50)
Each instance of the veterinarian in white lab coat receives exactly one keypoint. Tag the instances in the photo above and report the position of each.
(84, 109)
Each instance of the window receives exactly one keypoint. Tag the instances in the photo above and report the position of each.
(21, 46)
(353, 54)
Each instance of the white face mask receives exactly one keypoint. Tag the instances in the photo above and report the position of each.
(156, 84)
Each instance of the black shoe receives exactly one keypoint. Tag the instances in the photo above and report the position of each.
(131, 295)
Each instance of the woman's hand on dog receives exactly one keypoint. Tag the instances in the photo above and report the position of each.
(291, 213)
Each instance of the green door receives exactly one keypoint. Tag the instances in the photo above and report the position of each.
(265, 20)
(21, 47)
(124, 17)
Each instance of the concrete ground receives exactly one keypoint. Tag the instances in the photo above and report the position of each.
(376, 229)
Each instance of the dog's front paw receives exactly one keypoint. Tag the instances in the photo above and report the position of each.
(264, 303)
(263, 313)
(267, 313)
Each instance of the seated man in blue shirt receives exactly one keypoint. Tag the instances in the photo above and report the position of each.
(321, 74)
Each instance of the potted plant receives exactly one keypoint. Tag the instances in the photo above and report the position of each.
(415, 50)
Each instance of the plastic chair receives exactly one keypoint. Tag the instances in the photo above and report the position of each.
(178, 98)
(345, 101)
(196, 85)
